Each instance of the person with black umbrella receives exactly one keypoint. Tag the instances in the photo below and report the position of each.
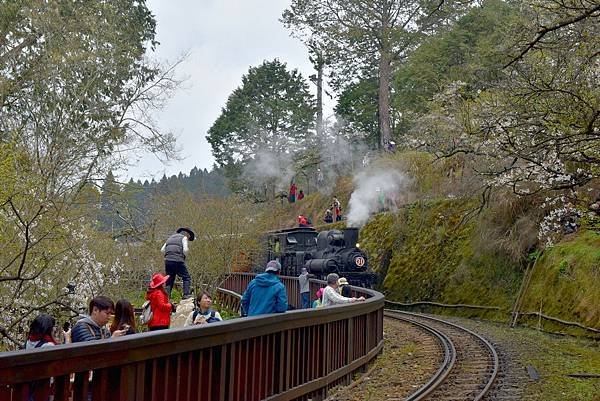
(175, 250)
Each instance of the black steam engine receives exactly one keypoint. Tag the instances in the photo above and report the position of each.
(333, 251)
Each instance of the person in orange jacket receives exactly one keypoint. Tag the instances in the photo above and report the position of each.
(159, 303)
(303, 222)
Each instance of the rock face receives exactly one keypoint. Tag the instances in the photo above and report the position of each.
(185, 307)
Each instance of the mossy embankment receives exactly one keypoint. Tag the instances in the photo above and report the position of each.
(445, 247)
(440, 251)
(433, 251)
(565, 282)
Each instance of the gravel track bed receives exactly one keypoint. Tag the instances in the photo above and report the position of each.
(408, 361)
(410, 357)
(473, 368)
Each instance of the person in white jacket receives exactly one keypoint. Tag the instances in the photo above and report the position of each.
(331, 296)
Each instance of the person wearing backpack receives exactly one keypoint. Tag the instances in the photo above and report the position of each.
(93, 327)
(203, 312)
(159, 303)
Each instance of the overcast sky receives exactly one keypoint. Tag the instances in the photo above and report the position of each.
(223, 38)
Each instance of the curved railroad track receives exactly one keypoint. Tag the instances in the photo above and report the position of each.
(469, 365)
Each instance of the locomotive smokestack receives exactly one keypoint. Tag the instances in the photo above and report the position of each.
(350, 236)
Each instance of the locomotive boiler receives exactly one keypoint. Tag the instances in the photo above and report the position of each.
(321, 253)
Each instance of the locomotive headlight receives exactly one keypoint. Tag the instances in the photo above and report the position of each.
(357, 245)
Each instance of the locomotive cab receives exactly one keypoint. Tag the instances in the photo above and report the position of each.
(291, 247)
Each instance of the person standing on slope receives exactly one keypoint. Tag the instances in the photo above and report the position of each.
(175, 250)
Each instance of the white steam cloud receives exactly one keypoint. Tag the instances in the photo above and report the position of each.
(339, 157)
(333, 155)
(270, 168)
(375, 189)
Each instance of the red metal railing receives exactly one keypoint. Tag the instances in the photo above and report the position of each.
(294, 355)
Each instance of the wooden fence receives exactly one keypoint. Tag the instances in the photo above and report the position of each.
(299, 354)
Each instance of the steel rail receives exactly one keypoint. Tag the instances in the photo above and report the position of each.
(485, 342)
(445, 367)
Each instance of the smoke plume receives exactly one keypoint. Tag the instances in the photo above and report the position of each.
(376, 189)
(270, 168)
(330, 155)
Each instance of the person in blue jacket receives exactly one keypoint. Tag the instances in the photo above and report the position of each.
(266, 293)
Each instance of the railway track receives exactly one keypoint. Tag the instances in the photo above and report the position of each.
(469, 366)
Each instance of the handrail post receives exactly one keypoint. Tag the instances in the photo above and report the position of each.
(350, 348)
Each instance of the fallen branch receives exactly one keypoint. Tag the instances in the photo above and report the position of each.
(554, 319)
(419, 303)
(584, 376)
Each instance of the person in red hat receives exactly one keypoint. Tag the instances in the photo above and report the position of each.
(159, 302)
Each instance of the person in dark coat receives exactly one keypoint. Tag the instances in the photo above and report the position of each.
(93, 327)
(41, 332)
(266, 293)
(159, 303)
(175, 250)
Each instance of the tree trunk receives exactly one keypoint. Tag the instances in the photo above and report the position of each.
(385, 66)
(319, 124)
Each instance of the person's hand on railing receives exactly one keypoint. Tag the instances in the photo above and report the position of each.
(357, 299)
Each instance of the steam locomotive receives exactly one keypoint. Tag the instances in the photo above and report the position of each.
(321, 253)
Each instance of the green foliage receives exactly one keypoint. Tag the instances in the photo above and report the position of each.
(533, 255)
(75, 91)
(357, 105)
(432, 253)
(364, 39)
(468, 52)
(271, 111)
(563, 266)
(565, 281)
(7, 171)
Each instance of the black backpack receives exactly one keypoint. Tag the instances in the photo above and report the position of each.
(211, 318)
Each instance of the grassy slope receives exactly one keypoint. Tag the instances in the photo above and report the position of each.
(313, 206)
(427, 252)
(565, 282)
(433, 257)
